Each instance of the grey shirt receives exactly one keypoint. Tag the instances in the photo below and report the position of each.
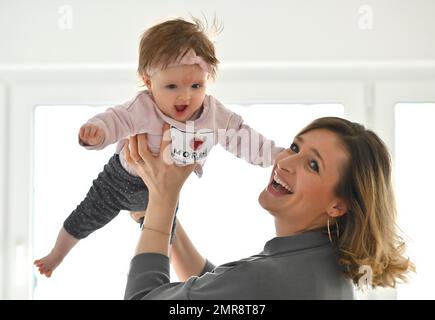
(302, 266)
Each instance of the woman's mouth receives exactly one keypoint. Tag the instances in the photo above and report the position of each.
(180, 108)
(278, 187)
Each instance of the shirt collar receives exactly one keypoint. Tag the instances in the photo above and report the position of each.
(302, 241)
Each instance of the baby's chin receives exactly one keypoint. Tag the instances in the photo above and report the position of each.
(181, 118)
(176, 115)
(188, 115)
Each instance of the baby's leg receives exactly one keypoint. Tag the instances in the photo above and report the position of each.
(113, 190)
(64, 243)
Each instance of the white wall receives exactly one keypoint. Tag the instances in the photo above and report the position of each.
(304, 44)
(108, 30)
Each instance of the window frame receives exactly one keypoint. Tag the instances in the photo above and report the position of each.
(24, 98)
(388, 94)
(3, 188)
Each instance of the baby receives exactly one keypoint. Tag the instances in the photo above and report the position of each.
(176, 61)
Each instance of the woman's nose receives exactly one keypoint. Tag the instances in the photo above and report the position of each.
(288, 164)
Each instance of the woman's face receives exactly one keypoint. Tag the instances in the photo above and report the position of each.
(301, 188)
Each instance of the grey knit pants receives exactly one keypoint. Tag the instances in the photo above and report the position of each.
(113, 190)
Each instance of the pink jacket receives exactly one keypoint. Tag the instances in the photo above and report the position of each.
(141, 115)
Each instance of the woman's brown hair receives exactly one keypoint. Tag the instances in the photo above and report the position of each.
(368, 231)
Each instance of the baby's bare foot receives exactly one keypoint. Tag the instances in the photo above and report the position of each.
(47, 264)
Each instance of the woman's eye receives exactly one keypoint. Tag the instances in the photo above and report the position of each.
(294, 147)
(171, 86)
(196, 86)
(314, 165)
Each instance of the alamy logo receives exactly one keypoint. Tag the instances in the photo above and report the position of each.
(191, 146)
(365, 15)
(366, 280)
(65, 21)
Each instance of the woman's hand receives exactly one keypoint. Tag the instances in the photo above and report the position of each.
(163, 179)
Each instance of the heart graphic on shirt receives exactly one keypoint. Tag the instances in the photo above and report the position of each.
(197, 142)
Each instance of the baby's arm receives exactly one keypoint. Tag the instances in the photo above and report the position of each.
(246, 143)
(114, 124)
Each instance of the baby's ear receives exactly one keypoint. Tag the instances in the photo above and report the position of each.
(146, 80)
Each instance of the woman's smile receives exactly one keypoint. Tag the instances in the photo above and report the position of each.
(278, 187)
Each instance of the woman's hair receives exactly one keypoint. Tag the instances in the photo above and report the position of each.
(168, 41)
(368, 232)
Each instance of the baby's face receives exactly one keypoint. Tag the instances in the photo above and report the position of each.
(179, 91)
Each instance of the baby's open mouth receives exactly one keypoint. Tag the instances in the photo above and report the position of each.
(181, 107)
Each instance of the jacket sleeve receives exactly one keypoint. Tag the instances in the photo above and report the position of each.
(208, 267)
(148, 271)
(149, 279)
(120, 121)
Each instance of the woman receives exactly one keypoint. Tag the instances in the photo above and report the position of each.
(331, 198)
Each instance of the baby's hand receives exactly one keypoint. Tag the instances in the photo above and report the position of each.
(91, 135)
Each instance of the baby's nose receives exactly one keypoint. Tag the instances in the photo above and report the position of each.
(185, 95)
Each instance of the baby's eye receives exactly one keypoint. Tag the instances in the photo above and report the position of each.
(196, 86)
(314, 165)
(294, 147)
(171, 86)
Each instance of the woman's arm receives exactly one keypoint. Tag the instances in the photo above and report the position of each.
(185, 258)
(149, 269)
(164, 181)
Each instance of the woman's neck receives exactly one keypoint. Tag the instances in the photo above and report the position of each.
(285, 227)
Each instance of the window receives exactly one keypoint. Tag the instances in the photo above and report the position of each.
(414, 189)
(63, 172)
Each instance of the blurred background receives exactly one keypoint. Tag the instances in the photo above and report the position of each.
(283, 63)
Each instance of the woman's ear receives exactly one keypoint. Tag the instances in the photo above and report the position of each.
(337, 208)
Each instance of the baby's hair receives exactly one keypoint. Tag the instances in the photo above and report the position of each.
(170, 40)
